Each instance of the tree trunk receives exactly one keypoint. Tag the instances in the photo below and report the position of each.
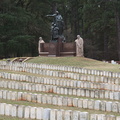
(118, 31)
(54, 7)
(65, 16)
(105, 46)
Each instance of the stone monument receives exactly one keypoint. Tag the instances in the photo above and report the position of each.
(79, 46)
(40, 41)
(57, 45)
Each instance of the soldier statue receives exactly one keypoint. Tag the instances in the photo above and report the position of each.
(57, 26)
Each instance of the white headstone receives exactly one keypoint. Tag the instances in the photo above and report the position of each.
(78, 92)
(33, 112)
(111, 95)
(39, 113)
(102, 94)
(83, 92)
(66, 91)
(46, 114)
(97, 105)
(115, 106)
(118, 118)
(70, 102)
(1, 94)
(39, 98)
(74, 91)
(53, 114)
(44, 99)
(27, 112)
(20, 111)
(110, 117)
(103, 105)
(65, 102)
(107, 94)
(93, 117)
(14, 110)
(2, 108)
(75, 115)
(80, 103)
(55, 100)
(24, 96)
(67, 115)
(87, 93)
(96, 94)
(108, 106)
(90, 104)
(34, 98)
(116, 96)
(75, 102)
(92, 93)
(8, 109)
(19, 95)
(14, 95)
(84, 116)
(70, 91)
(49, 99)
(60, 114)
(101, 117)
(62, 91)
(60, 101)
(85, 103)
(5, 94)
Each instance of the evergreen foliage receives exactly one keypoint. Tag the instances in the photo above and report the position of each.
(22, 22)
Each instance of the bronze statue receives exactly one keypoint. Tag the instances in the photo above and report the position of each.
(57, 26)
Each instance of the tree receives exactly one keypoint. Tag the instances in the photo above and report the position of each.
(22, 22)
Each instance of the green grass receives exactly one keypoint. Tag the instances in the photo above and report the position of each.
(6, 59)
(2, 117)
(77, 61)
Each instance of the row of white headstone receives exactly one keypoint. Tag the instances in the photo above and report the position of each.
(107, 106)
(62, 68)
(61, 82)
(71, 82)
(104, 94)
(66, 75)
(40, 113)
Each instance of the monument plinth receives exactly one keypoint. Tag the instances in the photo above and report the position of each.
(53, 49)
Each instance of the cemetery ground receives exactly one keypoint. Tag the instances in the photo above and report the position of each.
(81, 62)
(30, 82)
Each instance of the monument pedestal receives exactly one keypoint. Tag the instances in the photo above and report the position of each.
(53, 49)
(58, 48)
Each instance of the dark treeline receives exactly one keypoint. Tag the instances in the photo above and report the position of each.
(22, 22)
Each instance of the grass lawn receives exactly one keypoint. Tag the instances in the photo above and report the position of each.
(77, 61)
(2, 117)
